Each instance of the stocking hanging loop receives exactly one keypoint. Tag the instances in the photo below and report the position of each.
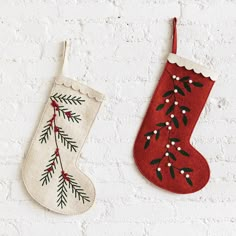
(64, 58)
(174, 43)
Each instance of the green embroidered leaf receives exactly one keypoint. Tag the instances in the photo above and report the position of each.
(187, 87)
(50, 170)
(185, 78)
(67, 114)
(185, 169)
(161, 124)
(189, 181)
(77, 190)
(155, 161)
(66, 140)
(170, 109)
(157, 134)
(175, 121)
(180, 91)
(172, 156)
(47, 131)
(62, 192)
(160, 106)
(184, 153)
(159, 175)
(185, 108)
(67, 99)
(174, 140)
(147, 144)
(197, 84)
(172, 172)
(168, 93)
(185, 120)
(149, 134)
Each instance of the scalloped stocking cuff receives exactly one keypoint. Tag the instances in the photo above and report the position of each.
(49, 171)
(162, 150)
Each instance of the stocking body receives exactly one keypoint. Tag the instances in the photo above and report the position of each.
(162, 150)
(49, 171)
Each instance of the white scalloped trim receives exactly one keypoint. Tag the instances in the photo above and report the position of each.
(77, 86)
(190, 65)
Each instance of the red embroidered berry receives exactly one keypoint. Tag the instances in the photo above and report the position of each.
(65, 175)
(54, 104)
(49, 169)
(68, 114)
(52, 119)
(57, 152)
(56, 129)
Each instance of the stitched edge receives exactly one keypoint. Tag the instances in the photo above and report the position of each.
(77, 86)
(190, 65)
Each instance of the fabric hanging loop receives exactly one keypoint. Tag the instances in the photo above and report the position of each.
(174, 43)
(64, 58)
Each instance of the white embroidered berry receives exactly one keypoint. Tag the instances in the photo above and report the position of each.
(159, 169)
(172, 115)
(175, 91)
(176, 103)
(177, 78)
(167, 145)
(173, 143)
(169, 164)
(182, 172)
(183, 111)
(148, 137)
(167, 100)
(187, 176)
(167, 154)
(169, 128)
(155, 131)
(190, 81)
(173, 76)
(167, 123)
(178, 148)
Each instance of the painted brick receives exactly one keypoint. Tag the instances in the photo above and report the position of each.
(120, 48)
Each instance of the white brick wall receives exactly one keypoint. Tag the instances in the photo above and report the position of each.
(121, 50)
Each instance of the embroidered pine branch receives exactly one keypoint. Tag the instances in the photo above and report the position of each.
(65, 139)
(65, 180)
(68, 180)
(67, 114)
(173, 122)
(62, 191)
(77, 190)
(47, 130)
(50, 169)
(68, 99)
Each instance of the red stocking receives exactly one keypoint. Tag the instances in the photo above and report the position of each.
(162, 150)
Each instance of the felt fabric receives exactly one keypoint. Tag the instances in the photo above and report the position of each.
(162, 150)
(49, 171)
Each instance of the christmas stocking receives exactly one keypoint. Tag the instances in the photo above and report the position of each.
(162, 150)
(49, 172)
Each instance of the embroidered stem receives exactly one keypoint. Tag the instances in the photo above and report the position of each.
(55, 138)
